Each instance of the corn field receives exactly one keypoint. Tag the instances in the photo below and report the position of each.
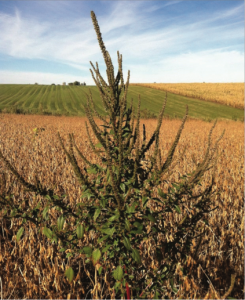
(34, 268)
(231, 94)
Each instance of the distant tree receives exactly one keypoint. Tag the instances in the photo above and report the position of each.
(76, 83)
(53, 84)
(71, 83)
(36, 83)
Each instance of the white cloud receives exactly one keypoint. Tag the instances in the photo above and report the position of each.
(182, 47)
(17, 77)
(208, 66)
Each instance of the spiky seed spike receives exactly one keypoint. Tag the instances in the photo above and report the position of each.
(94, 126)
(99, 36)
(94, 109)
(144, 148)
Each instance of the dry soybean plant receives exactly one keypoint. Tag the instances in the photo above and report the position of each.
(135, 250)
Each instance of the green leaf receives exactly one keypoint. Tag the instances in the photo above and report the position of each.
(96, 256)
(103, 238)
(80, 231)
(113, 218)
(116, 285)
(62, 250)
(131, 209)
(136, 255)
(156, 296)
(126, 243)
(54, 239)
(96, 214)
(87, 194)
(145, 200)
(108, 177)
(108, 231)
(172, 286)
(69, 273)
(13, 213)
(118, 273)
(106, 248)
(19, 233)
(177, 209)
(48, 232)
(151, 218)
(92, 171)
(87, 250)
(45, 211)
(98, 145)
(60, 222)
(127, 225)
(122, 186)
(100, 270)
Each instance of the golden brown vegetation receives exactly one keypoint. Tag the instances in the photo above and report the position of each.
(33, 268)
(231, 94)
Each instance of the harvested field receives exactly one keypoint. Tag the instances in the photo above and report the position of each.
(34, 268)
(231, 94)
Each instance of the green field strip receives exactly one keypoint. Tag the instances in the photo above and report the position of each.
(72, 101)
(31, 96)
(56, 99)
(59, 103)
(45, 99)
(15, 96)
(25, 101)
(18, 99)
(41, 103)
(69, 100)
(64, 97)
(51, 99)
(80, 98)
(7, 90)
(77, 96)
(34, 106)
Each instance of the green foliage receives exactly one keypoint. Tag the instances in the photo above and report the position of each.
(69, 274)
(19, 233)
(115, 204)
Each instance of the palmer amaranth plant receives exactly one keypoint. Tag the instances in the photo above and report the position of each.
(135, 250)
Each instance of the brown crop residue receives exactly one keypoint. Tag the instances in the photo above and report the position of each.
(34, 268)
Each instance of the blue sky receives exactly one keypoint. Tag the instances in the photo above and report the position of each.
(161, 41)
